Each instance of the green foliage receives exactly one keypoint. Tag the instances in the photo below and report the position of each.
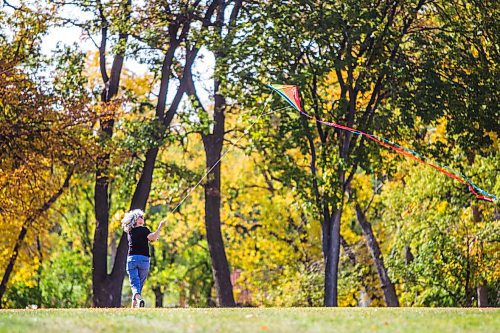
(21, 296)
(65, 280)
(451, 252)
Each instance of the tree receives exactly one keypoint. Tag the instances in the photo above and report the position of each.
(179, 20)
(390, 296)
(450, 252)
(213, 139)
(348, 51)
(42, 129)
(157, 21)
(462, 78)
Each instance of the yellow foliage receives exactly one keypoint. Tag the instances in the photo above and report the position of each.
(442, 207)
(439, 134)
(362, 182)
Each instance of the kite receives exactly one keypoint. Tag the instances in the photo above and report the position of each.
(291, 94)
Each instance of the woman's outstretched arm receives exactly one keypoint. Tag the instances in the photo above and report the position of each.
(154, 235)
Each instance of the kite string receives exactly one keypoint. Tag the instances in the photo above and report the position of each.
(245, 132)
(290, 94)
(414, 155)
(456, 175)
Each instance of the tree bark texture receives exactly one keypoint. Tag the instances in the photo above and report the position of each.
(332, 256)
(213, 147)
(390, 296)
(106, 287)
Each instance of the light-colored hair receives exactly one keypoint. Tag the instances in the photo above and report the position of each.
(130, 218)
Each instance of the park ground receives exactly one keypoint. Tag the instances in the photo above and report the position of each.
(252, 320)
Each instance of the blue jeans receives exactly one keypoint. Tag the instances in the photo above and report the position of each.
(137, 270)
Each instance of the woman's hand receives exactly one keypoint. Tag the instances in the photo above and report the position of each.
(154, 235)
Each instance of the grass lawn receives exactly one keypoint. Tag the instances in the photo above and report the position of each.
(251, 320)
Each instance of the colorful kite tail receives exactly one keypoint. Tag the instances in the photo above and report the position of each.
(291, 94)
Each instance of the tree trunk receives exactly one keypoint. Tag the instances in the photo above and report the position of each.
(139, 200)
(212, 144)
(332, 255)
(390, 296)
(39, 272)
(100, 284)
(408, 255)
(330, 226)
(143, 187)
(158, 296)
(24, 230)
(482, 290)
(12, 260)
(220, 267)
(106, 288)
(482, 296)
(469, 290)
(156, 288)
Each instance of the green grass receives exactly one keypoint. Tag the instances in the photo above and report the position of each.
(251, 320)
